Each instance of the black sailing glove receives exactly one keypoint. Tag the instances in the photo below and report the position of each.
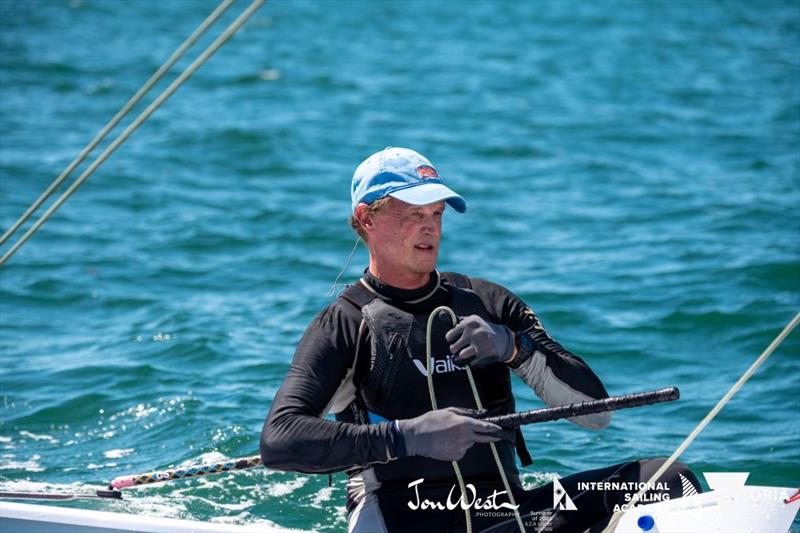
(445, 434)
(478, 343)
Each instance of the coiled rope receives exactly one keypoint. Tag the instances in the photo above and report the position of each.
(434, 405)
(612, 525)
(143, 116)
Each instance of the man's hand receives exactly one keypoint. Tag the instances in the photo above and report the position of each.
(446, 434)
(478, 343)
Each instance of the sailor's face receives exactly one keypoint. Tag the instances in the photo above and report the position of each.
(407, 236)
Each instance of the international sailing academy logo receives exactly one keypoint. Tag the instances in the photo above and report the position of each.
(561, 499)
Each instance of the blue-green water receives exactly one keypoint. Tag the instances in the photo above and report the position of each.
(632, 171)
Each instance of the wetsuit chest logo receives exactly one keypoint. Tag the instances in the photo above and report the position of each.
(440, 366)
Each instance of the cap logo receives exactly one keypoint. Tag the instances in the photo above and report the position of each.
(427, 171)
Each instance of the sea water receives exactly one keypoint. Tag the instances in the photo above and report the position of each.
(632, 171)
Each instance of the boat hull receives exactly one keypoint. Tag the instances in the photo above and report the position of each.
(28, 518)
(741, 509)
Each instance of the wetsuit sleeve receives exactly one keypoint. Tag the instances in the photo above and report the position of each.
(295, 436)
(556, 375)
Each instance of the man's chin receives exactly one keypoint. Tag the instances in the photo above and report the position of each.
(425, 267)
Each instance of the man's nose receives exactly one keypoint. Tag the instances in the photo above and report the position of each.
(432, 226)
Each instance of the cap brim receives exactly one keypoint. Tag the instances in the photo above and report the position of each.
(428, 193)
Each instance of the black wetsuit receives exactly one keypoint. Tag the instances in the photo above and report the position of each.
(326, 375)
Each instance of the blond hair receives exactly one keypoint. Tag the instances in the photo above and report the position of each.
(372, 209)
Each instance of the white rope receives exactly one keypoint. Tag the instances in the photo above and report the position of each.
(197, 63)
(709, 417)
(177, 54)
(500, 469)
(336, 284)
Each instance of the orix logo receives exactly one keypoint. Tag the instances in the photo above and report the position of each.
(426, 172)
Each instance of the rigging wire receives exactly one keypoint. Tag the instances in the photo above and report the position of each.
(177, 54)
(143, 116)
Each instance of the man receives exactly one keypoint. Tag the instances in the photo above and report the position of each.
(364, 359)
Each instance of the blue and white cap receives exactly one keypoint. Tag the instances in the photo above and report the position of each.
(403, 174)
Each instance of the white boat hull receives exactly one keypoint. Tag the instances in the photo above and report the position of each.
(27, 518)
(745, 509)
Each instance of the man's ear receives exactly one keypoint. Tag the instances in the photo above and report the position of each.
(363, 215)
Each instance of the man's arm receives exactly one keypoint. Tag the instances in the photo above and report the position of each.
(557, 376)
(295, 436)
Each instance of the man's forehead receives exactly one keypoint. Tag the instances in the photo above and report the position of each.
(401, 206)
